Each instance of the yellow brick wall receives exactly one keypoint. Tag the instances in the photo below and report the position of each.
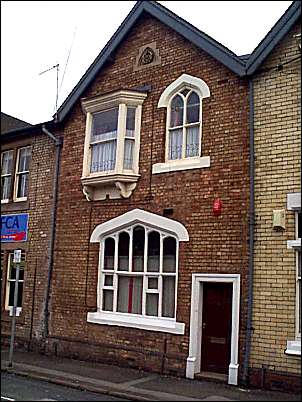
(277, 97)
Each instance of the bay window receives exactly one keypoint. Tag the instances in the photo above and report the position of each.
(294, 204)
(112, 142)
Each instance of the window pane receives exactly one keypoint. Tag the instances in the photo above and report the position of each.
(185, 92)
(299, 306)
(123, 251)
(7, 162)
(108, 281)
(109, 253)
(130, 122)
(103, 156)
(5, 187)
(24, 159)
(107, 300)
(168, 296)
(299, 225)
(169, 255)
(104, 125)
(128, 154)
(130, 294)
(152, 283)
(12, 293)
(177, 107)
(22, 185)
(175, 144)
(138, 249)
(192, 146)
(153, 252)
(152, 304)
(193, 108)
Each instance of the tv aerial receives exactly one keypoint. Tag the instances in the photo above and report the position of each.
(57, 92)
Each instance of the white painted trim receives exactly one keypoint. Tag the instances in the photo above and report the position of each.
(293, 348)
(194, 358)
(103, 102)
(136, 321)
(181, 164)
(184, 79)
(294, 201)
(295, 244)
(139, 216)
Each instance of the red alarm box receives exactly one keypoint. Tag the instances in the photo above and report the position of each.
(217, 206)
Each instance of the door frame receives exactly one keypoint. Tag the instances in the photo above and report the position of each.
(194, 358)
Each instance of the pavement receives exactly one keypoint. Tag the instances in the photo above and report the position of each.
(128, 383)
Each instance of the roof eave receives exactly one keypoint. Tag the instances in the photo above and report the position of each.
(231, 61)
(276, 34)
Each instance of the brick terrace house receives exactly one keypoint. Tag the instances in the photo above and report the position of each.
(276, 341)
(154, 133)
(27, 167)
(154, 220)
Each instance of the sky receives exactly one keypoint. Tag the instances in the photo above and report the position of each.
(37, 35)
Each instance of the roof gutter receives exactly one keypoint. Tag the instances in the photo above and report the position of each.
(249, 328)
(58, 143)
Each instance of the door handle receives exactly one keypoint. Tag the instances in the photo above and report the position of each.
(204, 325)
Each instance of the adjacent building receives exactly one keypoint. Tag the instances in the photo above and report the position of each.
(27, 170)
(276, 341)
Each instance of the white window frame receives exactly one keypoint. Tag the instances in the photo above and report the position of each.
(6, 200)
(122, 180)
(294, 204)
(197, 85)
(17, 174)
(126, 222)
(9, 281)
(184, 126)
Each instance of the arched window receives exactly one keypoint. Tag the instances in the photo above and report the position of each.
(145, 283)
(183, 100)
(138, 271)
(184, 125)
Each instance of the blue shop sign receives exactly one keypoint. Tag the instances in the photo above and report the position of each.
(14, 228)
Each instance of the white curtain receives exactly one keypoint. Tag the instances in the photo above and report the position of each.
(175, 144)
(128, 154)
(168, 301)
(192, 147)
(103, 156)
(130, 294)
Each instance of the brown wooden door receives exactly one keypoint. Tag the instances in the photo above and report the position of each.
(216, 327)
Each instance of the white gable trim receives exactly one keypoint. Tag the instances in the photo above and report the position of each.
(185, 79)
(140, 216)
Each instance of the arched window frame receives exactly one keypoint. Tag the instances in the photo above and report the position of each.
(198, 86)
(184, 125)
(112, 229)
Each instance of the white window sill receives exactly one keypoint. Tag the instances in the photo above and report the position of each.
(20, 199)
(4, 201)
(135, 321)
(295, 244)
(18, 311)
(293, 348)
(181, 164)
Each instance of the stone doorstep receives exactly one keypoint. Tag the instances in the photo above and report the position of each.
(93, 385)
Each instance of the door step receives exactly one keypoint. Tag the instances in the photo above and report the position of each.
(209, 375)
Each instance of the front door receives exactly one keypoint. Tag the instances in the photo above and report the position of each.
(216, 327)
